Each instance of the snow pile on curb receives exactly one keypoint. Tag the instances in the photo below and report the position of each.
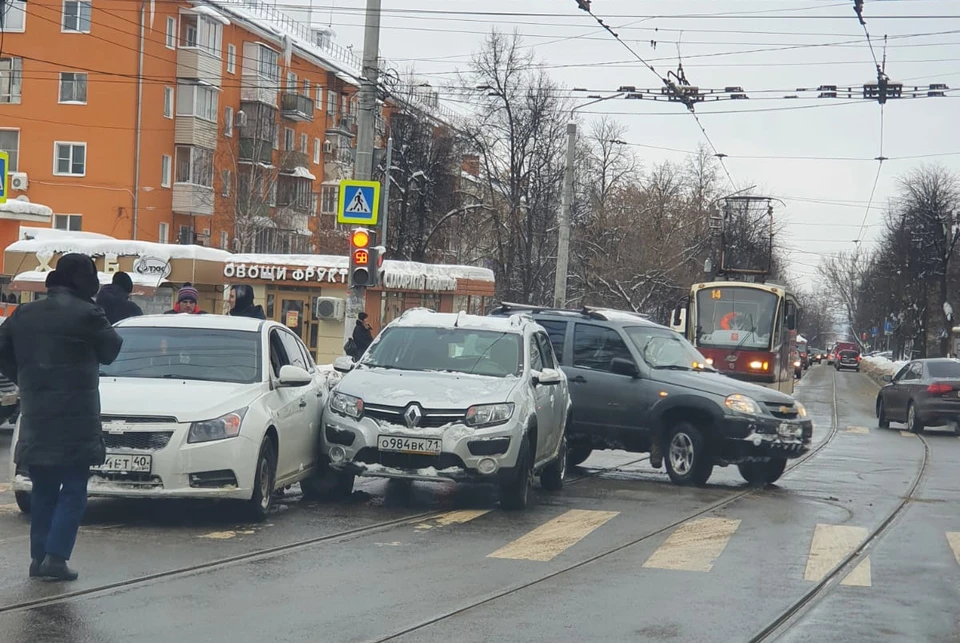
(877, 367)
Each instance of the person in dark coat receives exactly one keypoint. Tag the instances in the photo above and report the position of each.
(362, 335)
(241, 303)
(115, 299)
(52, 350)
(188, 301)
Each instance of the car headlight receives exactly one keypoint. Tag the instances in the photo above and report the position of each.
(801, 410)
(743, 404)
(488, 414)
(221, 428)
(347, 405)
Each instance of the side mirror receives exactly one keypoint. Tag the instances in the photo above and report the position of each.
(343, 364)
(622, 366)
(293, 376)
(548, 376)
(887, 378)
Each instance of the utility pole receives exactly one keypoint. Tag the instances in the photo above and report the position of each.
(566, 203)
(385, 204)
(366, 126)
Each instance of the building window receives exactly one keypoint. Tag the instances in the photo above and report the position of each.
(316, 151)
(288, 139)
(276, 138)
(331, 103)
(224, 240)
(10, 143)
(68, 222)
(291, 83)
(73, 87)
(165, 171)
(231, 59)
(70, 159)
(306, 88)
(168, 102)
(319, 103)
(13, 16)
(303, 144)
(171, 35)
(76, 16)
(344, 105)
(186, 236)
(194, 166)
(201, 32)
(268, 65)
(164, 236)
(329, 194)
(11, 80)
(224, 183)
(228, 121)
(197, 100)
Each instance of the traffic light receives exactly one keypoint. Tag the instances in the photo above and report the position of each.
(364, 260)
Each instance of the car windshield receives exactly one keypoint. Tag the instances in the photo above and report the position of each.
(457, 350)
(735, 317)
(943, 369)
(848, 354)
(187, 354)
(665, 349)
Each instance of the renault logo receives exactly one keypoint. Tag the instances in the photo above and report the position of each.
(412, 415)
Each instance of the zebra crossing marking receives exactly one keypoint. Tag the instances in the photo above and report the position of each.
(694, 546)
(552, 538)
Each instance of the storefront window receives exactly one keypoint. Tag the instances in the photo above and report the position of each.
(391, 306)
(270, 305)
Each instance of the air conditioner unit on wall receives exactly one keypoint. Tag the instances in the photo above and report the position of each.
(18, 181)
(331, 308)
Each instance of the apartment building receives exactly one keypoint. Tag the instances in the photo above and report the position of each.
(224, 123)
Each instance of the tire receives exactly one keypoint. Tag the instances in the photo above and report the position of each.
(687, 455)
(265, 476)
(515, 493)
(343, 485)
(578, 455)
(763, 472)
(23, 501)
(882, 420)
(551, 478)
(314, 486)
(914, 425)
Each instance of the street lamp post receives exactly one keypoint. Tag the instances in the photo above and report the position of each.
(566, 204)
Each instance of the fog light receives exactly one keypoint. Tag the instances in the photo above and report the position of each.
(338, 454)
(486, 466)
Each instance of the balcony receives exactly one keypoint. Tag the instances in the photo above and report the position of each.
(344, 126)
(254, 150)
(190, 130)
(198, 64)
(296, 107)
(195, 200)
(291, 220)
(291, 160)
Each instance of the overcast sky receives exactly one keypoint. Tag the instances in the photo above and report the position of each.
(769, 47)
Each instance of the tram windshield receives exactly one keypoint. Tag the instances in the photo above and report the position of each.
(735, 317)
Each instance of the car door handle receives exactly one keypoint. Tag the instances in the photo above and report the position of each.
(303, 403)
(579, 379)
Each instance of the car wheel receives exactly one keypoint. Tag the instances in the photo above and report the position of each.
(763, 472)
(882, 420)
(914, 425)
(23, 500)
(578, 455)
(260, 503)
(515, 493)
(551, 478)
(313, 486)
(343, 485)
(688, 456)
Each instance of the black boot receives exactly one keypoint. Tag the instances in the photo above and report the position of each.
(55, 568)
(34, 568)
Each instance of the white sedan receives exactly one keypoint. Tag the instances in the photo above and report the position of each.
(206, 406)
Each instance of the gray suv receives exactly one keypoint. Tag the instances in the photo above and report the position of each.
(641, 387)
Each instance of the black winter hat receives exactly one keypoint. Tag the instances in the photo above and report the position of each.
(76, 271)
(123, 281)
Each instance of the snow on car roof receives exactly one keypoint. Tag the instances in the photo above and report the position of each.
(425, 317)
(201, 322)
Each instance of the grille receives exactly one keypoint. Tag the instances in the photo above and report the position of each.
(369, 455)
(776, 409)
(130, 480)
(139, 419)
(141, 440)
(6, 386)
(432, 418)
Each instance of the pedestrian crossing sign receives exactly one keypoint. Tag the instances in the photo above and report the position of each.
(4, 176)
(359, 202)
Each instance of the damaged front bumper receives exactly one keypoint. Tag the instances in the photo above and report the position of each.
(761, 438)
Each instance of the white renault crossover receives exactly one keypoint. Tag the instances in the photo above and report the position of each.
(206, 406)
(452, 396)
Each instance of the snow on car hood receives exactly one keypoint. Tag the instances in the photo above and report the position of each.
(186, 400)
(719, 384)
(431, 389)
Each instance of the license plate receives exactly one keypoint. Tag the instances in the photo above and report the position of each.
(126, 463)
(404, 444)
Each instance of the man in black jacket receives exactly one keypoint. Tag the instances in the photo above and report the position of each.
(52, 350)
(115, 299)
(241, 303)
(362, 336)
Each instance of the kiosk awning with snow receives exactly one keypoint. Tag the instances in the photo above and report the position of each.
(19, 210)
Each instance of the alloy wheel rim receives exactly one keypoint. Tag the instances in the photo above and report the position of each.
(264, 484)
(681, 453)
(563, 459)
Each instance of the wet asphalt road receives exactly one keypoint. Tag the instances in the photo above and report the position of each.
(620, 555)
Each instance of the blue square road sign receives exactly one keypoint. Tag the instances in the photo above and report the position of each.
(359, 202)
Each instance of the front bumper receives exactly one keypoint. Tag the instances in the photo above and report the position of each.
(351, 447)
(748, 438)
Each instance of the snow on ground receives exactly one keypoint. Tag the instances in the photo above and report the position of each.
(877, 367)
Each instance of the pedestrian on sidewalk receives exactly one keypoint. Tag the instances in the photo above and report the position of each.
(188, 301)
(362, 336)
(241, 303)
(114, 298)
(52, 349)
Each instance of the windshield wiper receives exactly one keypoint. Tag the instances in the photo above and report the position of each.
(673, 367)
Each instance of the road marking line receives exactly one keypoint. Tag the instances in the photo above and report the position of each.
(226, 535)
(695, 546)
(908, 434)
(452, 518)
(953, 537)
(4, 488)
(552, 538)
(860, 576)
(9, 509)
(830, 545)
(859, 430)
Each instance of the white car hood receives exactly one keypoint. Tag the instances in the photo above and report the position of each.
(186, 400)
(432, 390)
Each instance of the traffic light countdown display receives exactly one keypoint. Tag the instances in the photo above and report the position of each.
(364, 260)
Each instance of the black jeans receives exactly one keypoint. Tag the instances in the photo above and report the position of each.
(57, 504)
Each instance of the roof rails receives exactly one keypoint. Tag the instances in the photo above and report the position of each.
(587, 311)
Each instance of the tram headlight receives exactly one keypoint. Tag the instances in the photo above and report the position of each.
(743, 404)
(757, 365)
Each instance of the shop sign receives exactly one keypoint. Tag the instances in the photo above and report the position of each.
(242, 271)
(152, 267)
(412, 281)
